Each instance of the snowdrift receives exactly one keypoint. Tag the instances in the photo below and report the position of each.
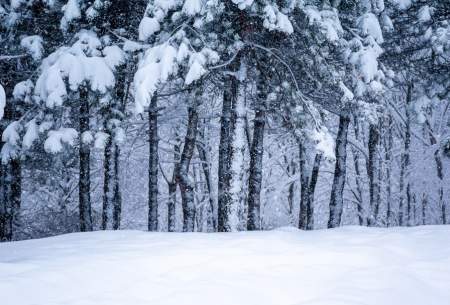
(347, 266)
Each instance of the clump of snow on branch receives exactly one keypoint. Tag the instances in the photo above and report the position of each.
(326, 20)
(276, 20)
(148, 27)
(56, 139)
(161, 62)
(72, 12)
(324, 142)
(33, 45)
(81, 64)
(31, 134)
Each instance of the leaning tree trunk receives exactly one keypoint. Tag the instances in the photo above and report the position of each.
(231, 87)
(405, 162)
(255, 171)
(372, 171)
(311, 190)
(153, 165)
(182, 169)
(84, 183)
(337, 189)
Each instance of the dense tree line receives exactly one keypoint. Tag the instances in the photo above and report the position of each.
(222, 115)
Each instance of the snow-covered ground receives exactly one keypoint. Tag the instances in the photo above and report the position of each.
(346, 266)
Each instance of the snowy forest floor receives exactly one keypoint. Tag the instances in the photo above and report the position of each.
(346, 266)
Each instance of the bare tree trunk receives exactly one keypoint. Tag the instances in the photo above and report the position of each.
(255, 174)
(117, 197)
(372, 170)
(358, 175)
(172, 184)
(439, 172)
(236, 218)
(108, 187)
(405, 161)
(84, 184)
(304, 192)
(203, 156)
(388, 146)
(182, 169)
(231, 87)
(311, 190)
(10, 184)
(307, 189)
(337, 190)
(153, 165)
(112, 197)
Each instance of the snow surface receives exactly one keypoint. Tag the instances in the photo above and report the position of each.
(347, 266)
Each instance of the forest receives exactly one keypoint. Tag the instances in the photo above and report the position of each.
(223, 115)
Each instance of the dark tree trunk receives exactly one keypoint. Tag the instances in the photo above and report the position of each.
(255, 170)
(307, 189)
(153, 165)
(108, 187)
(84, 183)
(231, 87)
(405, 161)
(10, 180)
(304, 192)
(372, 172)
(182, 169)
(112, 197)
(388, 146)
(337, 190)
(117, 198)
(311, 190)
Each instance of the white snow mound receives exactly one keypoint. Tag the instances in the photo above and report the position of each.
(348, 266)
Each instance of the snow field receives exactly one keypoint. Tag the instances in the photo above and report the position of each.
(347, 266)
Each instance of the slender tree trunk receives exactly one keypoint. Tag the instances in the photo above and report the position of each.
(255, 174)
(172, 185)
(405, 161)
(112, 197)
(337, 190)
(117, 197)
(108, 185)
(203, 156)
(304, 185)
(311, 190)
(358, 175)
(388, 146)
(372, 170)
(439, 172)
(182, 169)
(84, 184)
(231, 87)
(153, 165)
